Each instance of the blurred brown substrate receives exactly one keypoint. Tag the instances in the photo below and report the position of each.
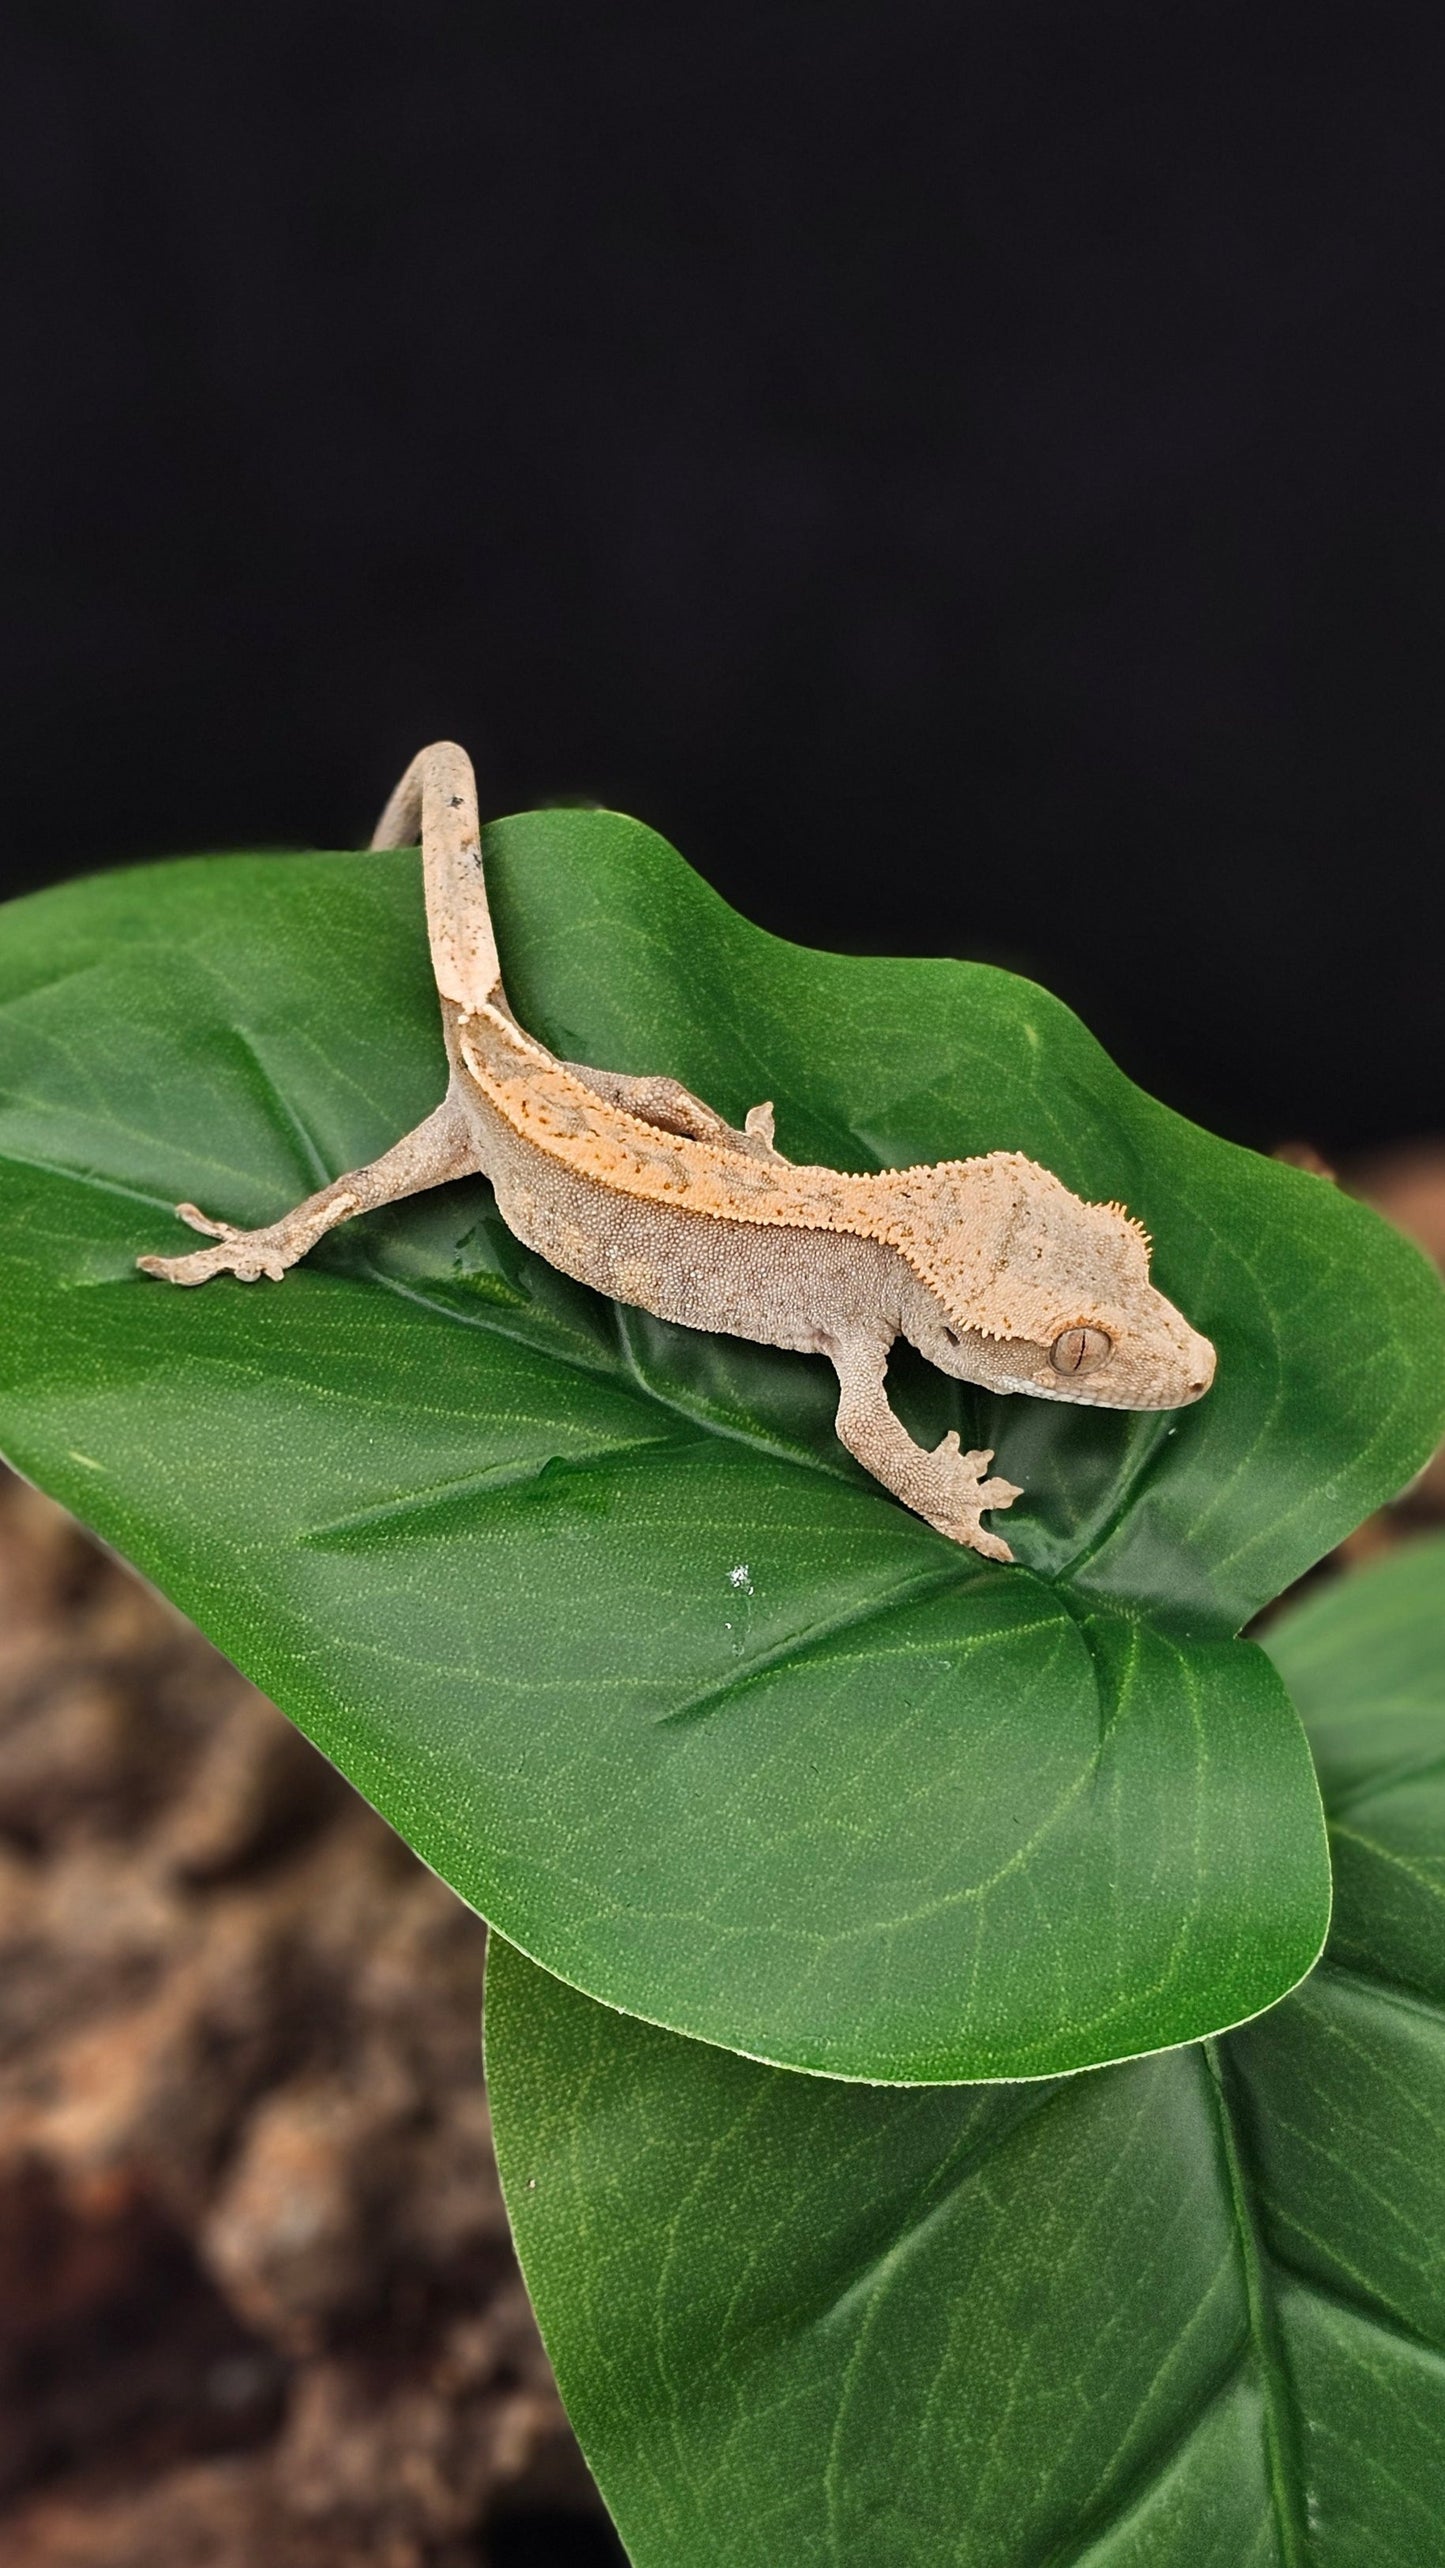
(1407, 1185)
(257, 2301)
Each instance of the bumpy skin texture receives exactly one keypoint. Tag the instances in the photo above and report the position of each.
(989, 1266)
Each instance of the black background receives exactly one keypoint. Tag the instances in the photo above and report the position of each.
(974, 476)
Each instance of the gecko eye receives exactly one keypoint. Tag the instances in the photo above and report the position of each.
(1079, 1350)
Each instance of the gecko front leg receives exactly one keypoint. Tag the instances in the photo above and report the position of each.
(945, 1486)
(441, 1148)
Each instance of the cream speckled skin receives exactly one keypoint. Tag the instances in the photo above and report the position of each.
(990, 1267)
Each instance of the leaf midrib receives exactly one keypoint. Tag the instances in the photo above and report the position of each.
(1281, 2425)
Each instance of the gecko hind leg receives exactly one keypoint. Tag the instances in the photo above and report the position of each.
(442, 1148)
(946, 1486)
(673, 1108)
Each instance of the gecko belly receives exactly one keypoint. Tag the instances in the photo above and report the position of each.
(778, 1287)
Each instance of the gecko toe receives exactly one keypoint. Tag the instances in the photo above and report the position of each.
(992, 1546)
(178, 1270)
(196, 1220)
(200, 1266)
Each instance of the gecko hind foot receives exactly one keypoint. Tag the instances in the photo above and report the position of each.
(248, 1255)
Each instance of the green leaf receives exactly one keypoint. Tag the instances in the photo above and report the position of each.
(599, 1612)
(1185, 2313)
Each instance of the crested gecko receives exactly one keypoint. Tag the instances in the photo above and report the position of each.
(989, 1266)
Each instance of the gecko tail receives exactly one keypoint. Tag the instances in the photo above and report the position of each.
(436, 802)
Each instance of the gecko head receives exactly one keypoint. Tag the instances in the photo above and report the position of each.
(1022, 1286)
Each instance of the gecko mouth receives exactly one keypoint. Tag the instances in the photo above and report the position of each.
(1119, 1395)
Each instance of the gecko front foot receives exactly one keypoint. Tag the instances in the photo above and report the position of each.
(964, 1495)
(246, 1254)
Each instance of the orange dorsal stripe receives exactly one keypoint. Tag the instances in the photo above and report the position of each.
(544, 1104)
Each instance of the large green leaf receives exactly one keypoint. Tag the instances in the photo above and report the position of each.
(599, 1612)
(1186, 2313)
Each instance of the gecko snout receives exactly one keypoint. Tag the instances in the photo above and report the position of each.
(1200, 1366)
